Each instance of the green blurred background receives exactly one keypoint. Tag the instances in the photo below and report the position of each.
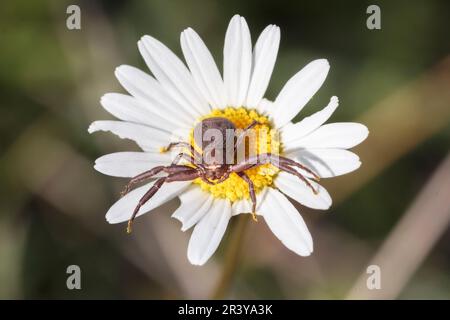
(393, 212)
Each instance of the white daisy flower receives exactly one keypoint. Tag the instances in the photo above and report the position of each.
(176, 98)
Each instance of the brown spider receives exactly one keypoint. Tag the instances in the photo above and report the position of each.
(213, 169)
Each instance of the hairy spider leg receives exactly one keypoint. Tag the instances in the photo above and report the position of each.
(277, 161)
(182, 173)
(150, 173)
(299, 175)
(141, 177)
(184, 156)
(298, 165)
(251, 190)
(143, 200)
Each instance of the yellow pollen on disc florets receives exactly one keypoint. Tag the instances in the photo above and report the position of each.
(235, 188)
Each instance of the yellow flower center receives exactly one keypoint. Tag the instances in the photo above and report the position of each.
(266, 140)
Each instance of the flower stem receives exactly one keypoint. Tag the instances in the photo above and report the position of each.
(232, 256)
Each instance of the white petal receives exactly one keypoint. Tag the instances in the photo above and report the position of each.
(128, 108)
(130, 164)
(300, 192)
(265, 107)
(299, 90)
(203, 68)
(123, 209)
(237, 61)
(149, 139)
(241, 206)
(208, 232)
(172, 74)
(341, 135)
(264, 57)
(292, 132)
(195, 203)
(245, 205)
(327, 162)
(145, 88)
(286, 223)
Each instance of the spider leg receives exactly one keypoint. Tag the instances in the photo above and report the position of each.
(251, 190)
(150, 173)
(144, 199)
(179, 175)
(197, 156)
(277, 161)
(251, 162)
(141, 177)
(184, 156)
(299, 165)
(299, 175)
(190, 159)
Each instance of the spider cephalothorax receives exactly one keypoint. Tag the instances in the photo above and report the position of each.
(217, 139)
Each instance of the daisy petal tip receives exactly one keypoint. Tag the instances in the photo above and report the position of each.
(274, 30)
(334, 100)
(93, 127)
(112, 219)
(277, 31)
(146, 37)
(96, 166)
(367, 130)
(309, 246)
(304, 251)
(235, 21)
(100, 168)
(235, 17)
(194, 260)
(146, 40)
(108, 219)
(119, 71)
(322, 66)
(364, 132)
(196, 263)
(324, 62)
(105, 98)
(189, 31)
(181, 220)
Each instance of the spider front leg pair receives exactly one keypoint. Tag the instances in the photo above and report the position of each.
(175, 173)
(154, 171)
